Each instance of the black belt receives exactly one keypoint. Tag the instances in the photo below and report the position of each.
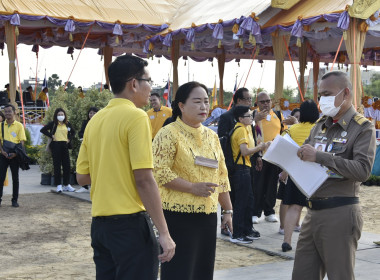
(330, 202)
(117, 217)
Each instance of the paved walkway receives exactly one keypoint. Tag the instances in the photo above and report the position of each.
(367, 256)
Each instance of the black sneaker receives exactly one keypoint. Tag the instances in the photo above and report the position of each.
(254, 235)
(240, 240)
(286, 247)
(14, 203)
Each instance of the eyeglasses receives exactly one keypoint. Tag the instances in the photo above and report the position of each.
(265, 101)
(248, 116)
(148, 80)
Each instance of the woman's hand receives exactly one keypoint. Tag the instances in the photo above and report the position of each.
(227, 222)
(203, 189)
(283, 176)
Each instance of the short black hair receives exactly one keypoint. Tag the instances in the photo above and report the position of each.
(155, 94)
(309, 111)
(239, 112)
(123, 69)
(92, 109)
(106, 86)
(294, 111)
(29, 87)
(239, 94)
(10, 105)
(341, 78)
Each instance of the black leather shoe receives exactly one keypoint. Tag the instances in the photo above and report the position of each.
(14, 203)
(286, 247)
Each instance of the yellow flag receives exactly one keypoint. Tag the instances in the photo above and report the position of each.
(213, 95)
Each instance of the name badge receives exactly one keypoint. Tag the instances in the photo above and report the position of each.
(151, 117)
(206, 162)
(13, 134)
(268, 118)
(340, 140)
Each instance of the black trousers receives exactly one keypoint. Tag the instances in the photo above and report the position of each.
(243, 208)
(265, 189)
(61, 157)
(13, 164)
(124, 248)
(195, 238)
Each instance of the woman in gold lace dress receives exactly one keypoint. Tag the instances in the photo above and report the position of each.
(192, 176)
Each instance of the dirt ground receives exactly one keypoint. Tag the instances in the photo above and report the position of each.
(48, 238)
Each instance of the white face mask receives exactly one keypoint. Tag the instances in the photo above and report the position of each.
(60, 118)
(327, 105)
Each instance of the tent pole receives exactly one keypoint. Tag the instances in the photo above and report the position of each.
(221, 63)
(10, 40)
(175, 57)
(315, 77)
(107, 55)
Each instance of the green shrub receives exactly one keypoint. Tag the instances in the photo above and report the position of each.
(76, 109)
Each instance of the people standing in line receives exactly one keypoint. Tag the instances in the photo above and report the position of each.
(61, 133)
(226, 123)
(158, 113)
(91, 112)
(192, 177)
(333, 223)
(118, 164)
(268, 126)
(12, 131)
(292, 197)
(243, 147)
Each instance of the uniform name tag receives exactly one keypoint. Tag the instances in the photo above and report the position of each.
(340, 140)
(151, 117)
(207, 162)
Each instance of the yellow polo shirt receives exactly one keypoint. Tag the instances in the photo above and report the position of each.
(242, 135)
(42, 96)
(116, 141)
(158, 118)
(61, 133)
(14, 133)
(271, 128)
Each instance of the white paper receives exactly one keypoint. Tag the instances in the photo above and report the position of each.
(308, 176)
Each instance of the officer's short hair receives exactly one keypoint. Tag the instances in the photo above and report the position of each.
(340, 77)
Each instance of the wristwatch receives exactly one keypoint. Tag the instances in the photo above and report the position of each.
(227, 212)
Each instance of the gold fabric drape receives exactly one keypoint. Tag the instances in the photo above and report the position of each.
(283, 4)
(315, 77)
(12, 61)
(363, 9)
(279, 50)
(354, 52)
(303, 62)
(221, 62)
(175, 57)
(107, 53)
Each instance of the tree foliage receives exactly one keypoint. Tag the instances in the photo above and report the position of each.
(76, 109)
(54, 83)
(373, 89)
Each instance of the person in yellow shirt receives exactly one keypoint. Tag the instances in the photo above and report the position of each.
(158, 114)
(192, 178)
(243, 147)
(43, 95)
(61, 132)
(268, 126)
(80, 92)
(116, 159)
(291, 196)
(12, 131)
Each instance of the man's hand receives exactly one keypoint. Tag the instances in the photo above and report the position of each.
(168, 247)
(259, 164)
(227, 221)
(259, 116)
(203, 189)
(307, 153)
(290, 120)
(283, 176)
(4, 154)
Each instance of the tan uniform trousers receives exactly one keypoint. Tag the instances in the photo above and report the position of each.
(328, 243)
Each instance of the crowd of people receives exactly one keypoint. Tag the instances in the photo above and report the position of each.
(165, 166)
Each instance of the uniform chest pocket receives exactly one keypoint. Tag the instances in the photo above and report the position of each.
(338, 148)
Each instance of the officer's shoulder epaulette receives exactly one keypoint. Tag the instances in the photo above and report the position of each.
(323, 118)
(360, 119)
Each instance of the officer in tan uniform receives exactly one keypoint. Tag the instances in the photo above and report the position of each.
(333, 224)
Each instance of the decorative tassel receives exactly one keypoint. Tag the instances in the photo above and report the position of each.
(71, 37)
(192, 46)
(151, 46)
(72, 57)
(212, 64)
(117, 40)
(257, 50)
(241, 44)
(235, 28)
(239, 63)
(17, 32)
(169, 49)
(345, 35)
(101, 58)
(219, 44)
(250, 38)
(185, 63)
(363, 56)
(2, 53)
(158, 61)
(299, 43)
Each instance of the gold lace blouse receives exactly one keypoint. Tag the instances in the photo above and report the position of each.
(174, 149)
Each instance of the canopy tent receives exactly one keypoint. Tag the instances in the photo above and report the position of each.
(199, 29)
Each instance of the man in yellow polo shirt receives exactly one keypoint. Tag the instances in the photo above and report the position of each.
(13, 132)
(118, 164)
(158, 114)
(268, 126)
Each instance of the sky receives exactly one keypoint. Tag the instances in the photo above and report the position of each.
(89, 69)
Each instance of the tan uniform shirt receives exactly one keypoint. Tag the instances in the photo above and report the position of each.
(348, 149)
